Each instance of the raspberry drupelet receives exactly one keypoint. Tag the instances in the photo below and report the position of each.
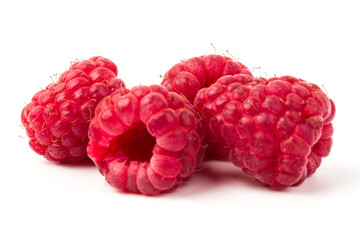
(189, 76)
(276, 130)
(146, 140)
(57, 118)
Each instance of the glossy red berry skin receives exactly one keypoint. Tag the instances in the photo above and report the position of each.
(189, 76)
(57, 118)
(277, 130)
(147, 140)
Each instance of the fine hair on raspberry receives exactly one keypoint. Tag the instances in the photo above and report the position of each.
(277, 130)
(57, 118)
(146, 140)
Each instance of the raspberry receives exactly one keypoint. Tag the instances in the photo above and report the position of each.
(189, 76)
(57, 119)
(276, 130)
(147, 140)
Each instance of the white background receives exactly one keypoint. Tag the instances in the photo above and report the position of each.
(314, 40)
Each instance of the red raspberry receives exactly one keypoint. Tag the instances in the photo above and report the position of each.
(147, 140)
(276, 130)
(189, 76)
(57, 119)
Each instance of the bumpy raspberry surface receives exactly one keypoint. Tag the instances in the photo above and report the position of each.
(276, 130)
(147, 140)
(57, 119)
(189, 76)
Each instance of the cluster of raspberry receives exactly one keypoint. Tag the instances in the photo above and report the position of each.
(151, 139)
